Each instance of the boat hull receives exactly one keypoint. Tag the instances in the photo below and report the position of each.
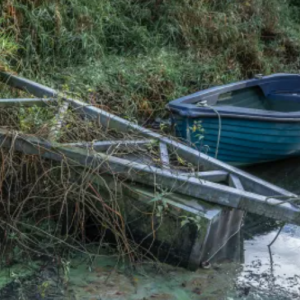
(241, 141)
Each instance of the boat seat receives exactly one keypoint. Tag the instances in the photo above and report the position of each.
(284, 102)
(249, 98)
(285, 96)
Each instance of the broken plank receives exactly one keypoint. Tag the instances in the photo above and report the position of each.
(102, 146)
(164, 155)
(55, 129)
(214, 176)
(27, 102)
(234, 181)
(150, 175)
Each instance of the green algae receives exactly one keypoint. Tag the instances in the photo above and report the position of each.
(106, 280)
(17, 272)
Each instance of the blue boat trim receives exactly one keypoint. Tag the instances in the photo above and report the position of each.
(276, 89)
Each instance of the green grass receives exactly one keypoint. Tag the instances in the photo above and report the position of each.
(143, 84)
(7, 50)
(137, 55)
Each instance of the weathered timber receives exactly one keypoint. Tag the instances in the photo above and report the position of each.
(55, 129)
(164, 155)
(214, 176)
(27, 102)
(235, 182)
(164, 235)
(150, 175)
(102, 146)
(229, 190)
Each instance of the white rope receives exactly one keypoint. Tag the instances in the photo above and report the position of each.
(204, 104)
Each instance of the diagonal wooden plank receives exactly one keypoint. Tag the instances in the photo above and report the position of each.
(27, 102)
(164, 155)
(214, 176)
(58, 120)
(250, 182)
(102, 146)
(234, 181)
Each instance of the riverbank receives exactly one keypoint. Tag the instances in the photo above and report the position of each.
(132, 57)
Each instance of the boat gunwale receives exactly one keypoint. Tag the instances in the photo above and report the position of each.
(184, 106)
(223, 112)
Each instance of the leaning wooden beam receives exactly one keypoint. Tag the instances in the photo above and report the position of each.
(164, 155)
(29, 86)
(250, 182)
(27, 102)
(102, 146)
(214, 176)
(150, 175)
(58, 121)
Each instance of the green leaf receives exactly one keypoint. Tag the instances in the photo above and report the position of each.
(184, 222)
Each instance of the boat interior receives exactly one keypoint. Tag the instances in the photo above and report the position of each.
(253, 97)
(276, 95)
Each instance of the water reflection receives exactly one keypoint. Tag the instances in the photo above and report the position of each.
(271, 272)
(284, 173)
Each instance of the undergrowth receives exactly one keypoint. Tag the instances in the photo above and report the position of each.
(56, 209)
(137, 55)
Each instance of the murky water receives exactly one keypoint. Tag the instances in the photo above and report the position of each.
(272, 272)
(269, 272)
(275, 268)
(245, 269)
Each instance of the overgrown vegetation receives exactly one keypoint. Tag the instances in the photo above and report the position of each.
(137, 55)
(48, 205)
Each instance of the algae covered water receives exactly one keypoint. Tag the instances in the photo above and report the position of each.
(246, 268)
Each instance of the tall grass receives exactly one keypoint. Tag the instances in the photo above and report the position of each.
(142, 53)
(7, 50)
